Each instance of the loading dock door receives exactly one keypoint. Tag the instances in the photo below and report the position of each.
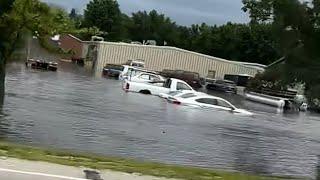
(211, 74)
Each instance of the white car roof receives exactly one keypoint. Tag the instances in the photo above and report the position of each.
(208, 96)
(212, 97)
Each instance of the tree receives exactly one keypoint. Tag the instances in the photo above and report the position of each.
(153, 26)
(76, 18)
(26, 16)
(296, 26)
(106, 15)
(5, 7)
(73, 13)
(259, 11)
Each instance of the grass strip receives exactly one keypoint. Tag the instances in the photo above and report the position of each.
(121, 164)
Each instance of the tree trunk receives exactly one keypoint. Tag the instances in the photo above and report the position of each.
(2, 80)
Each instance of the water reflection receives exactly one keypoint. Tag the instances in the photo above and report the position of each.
(72, 109)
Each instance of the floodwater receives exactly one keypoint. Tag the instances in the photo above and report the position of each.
(72, 109)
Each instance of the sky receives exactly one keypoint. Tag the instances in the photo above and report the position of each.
(184, 12)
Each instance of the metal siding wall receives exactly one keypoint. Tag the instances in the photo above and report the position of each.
(185, 61)
(159, 58)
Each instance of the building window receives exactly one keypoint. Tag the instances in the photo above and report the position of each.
(211, 74)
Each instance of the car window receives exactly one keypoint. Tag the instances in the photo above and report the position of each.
(133, 72)
(220, 82)
(167, 84)
(210, 101)
(188, 95)
(145, 76)
(154, 78)
(182, 86)
(229, 83)
(223, 103)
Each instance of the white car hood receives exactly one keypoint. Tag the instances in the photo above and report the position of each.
(243, 112)
(164, 95)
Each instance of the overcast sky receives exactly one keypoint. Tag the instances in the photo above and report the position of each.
(184, 12)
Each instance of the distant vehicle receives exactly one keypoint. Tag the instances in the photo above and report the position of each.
(130, 71)
(239, 79)
(207, 101)
(41, 64)
(303, 107)
(222, 85)
(178, 94)
(113, 70)
(192, 78)
(147, 77)
(155, 89)
(136, 63)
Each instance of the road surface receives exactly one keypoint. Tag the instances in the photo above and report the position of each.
(16, 169)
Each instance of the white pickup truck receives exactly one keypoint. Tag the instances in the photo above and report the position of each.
(156, 88)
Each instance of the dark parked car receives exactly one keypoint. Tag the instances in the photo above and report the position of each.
(192, 78)
(222, 85)
(112, 70)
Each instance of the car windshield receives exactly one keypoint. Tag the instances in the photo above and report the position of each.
(225, 104)
(174, 93)
(188, 95)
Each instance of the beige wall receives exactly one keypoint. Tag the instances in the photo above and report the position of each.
(158, 58)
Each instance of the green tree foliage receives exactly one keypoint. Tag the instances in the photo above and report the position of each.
(296, 26)
(5, 6)
(27, 16)
(239, 42)
(106, 15)
(76, 18)
(73, 13)
(152, 26)
(253, 42)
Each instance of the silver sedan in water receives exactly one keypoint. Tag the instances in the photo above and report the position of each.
(207, 101)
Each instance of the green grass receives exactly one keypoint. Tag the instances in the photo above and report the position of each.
(120, 164)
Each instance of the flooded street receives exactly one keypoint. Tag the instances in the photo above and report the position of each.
(71, 109)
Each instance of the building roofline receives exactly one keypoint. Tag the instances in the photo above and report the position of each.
(74, 37)
(282, 59)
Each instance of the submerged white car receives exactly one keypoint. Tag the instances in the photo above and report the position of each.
(207, 101)
(173, 94)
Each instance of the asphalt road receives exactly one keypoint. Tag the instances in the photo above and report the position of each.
(17, 169)
(9, 174)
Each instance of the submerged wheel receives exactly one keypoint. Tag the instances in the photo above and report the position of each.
(145, 92)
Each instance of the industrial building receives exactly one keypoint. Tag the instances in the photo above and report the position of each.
(158, 58)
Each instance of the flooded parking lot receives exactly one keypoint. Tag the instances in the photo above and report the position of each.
(72, 109)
